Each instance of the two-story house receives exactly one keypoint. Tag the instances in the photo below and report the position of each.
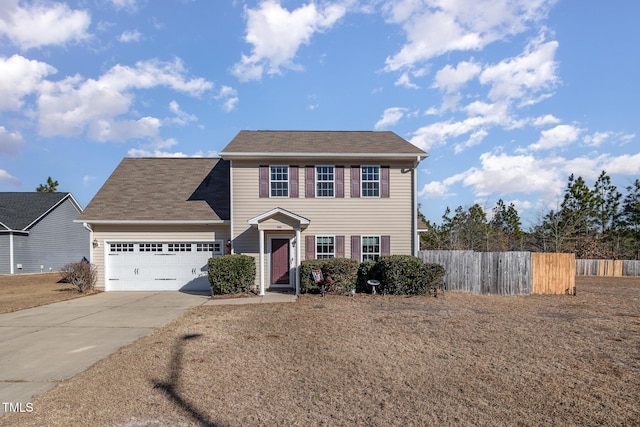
(280, 196)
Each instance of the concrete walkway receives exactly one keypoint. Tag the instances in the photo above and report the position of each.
(43, 346)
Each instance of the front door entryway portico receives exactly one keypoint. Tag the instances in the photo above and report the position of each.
(279, 248)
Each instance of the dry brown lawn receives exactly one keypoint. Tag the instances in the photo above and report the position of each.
(373, 361)
(20, 291)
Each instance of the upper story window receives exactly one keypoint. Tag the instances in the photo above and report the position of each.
(325, 247)
(279, 181)
(370, 181)
(325, 181)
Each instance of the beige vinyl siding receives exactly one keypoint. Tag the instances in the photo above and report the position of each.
(149, 234)
(328, 216)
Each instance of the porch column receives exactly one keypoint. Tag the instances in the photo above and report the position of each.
(261, 231)
(298, 261)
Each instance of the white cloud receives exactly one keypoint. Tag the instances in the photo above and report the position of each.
(181, 118)
(158, 148)
(75, 105)
(451, 79)
(556, 137)
(435, 27)
(130, 5)
(476, 138)
(596, 139)
(390, 117)
(276, 34)
(548, 119)
(626, 164)
(87, 180)
(43, 24)
(130, 36)
(20, 77)
(7, 178)
(524, 76)
(229, 98)
(10, 142)
(503, 174)
(405, 81)
(481, 117)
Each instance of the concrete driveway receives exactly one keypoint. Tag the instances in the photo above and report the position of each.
(42, 346)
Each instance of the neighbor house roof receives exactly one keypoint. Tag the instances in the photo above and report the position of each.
(21, 210)
(159, 190)
(267, 143)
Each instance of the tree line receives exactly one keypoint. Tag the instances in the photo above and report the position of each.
(592, 222)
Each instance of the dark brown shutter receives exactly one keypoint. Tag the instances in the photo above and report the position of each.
(264, 181)
(385, 245)
(339, 246)
(339, 170)
(293, 181)
(310, 182)
(309, 247)
(356, 248)
(355, 181)
(384, 181)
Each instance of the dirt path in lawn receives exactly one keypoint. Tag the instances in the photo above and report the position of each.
(373, 361)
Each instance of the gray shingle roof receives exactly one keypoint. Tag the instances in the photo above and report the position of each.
(18, 210)
(163, 189)
(320, 142)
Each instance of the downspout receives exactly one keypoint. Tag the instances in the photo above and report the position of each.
(231, 205)
(414, 212)
(11, 270)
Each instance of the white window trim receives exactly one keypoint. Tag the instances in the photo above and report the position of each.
(333, 181)
(362, 181)
(334, 246)
(288, 182)
(362, 254)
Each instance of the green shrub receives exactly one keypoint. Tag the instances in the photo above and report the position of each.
(408, 275)
(81, 274)
(339, 274)
(367, 270)
(232, 274)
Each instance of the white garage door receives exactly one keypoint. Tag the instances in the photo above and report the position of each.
(155, 266)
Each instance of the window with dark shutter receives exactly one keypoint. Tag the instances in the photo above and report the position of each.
(384, 181)
(293, 181)
(309, 182)
(309, 247)
(355, 181)
(340, 181)
(340, 246)
(355, 248)
(264, 181)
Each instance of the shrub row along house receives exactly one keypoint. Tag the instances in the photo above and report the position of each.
(280, 196)
(38, 233)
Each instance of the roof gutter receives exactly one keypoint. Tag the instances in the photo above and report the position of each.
(89, 222)
(262, 154)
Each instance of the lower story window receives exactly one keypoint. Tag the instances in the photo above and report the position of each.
(370, 248)
(325, 247)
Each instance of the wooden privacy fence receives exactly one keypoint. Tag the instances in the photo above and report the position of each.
(505, 273)
(607, 267)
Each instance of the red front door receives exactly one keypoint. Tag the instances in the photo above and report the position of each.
(280, 261)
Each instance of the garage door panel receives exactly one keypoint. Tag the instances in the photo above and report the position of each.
(160, 266)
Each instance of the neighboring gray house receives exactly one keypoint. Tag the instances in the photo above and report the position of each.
(38, 232)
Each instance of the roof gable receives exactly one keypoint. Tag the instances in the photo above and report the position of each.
(179, 190)
(301, 143)
(20, 210)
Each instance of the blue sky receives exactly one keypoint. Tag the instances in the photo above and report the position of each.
(508, 97)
